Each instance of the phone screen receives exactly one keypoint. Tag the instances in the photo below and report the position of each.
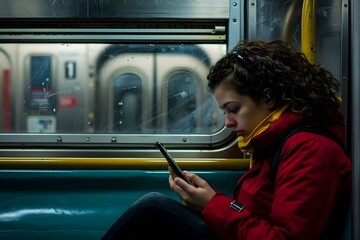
(172, 163)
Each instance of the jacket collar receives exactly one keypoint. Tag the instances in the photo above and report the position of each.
(266, 143)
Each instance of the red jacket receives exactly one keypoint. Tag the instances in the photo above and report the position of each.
(312, 173)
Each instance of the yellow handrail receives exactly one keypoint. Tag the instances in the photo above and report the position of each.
(233, 164)
(308, 33)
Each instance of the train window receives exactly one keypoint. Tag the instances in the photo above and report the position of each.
(52, 92)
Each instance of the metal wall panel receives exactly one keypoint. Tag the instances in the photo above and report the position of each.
(44, 9)
(200, 9)
(355, 114)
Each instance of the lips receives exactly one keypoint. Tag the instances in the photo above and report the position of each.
(240, 133)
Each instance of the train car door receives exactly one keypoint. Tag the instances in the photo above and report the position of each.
(124, 86)
(181, 89)
(52, 88)
(155, 88)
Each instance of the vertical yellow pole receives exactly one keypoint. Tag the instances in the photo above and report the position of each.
(308, 31)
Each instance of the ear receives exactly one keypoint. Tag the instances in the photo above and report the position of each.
(269, 98)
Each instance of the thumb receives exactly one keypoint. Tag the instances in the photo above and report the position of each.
(196, 180)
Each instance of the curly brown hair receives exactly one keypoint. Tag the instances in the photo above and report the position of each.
(252, 67)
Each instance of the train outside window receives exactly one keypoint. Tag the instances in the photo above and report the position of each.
(98, 88)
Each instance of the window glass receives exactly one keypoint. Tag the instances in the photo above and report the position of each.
(108, 88)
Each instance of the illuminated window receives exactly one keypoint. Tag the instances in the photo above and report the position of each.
(101, 89)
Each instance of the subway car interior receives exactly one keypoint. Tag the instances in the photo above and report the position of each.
(88, 87)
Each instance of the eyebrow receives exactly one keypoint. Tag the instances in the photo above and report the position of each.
(225, 105)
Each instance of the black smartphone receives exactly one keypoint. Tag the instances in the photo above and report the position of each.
(172, 163)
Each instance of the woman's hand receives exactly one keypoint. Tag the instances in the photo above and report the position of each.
(194, 196)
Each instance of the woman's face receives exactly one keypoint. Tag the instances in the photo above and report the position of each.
(242, 114)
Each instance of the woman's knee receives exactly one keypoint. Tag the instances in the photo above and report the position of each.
(153, 199)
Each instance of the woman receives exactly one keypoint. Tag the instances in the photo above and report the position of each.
(266, 91)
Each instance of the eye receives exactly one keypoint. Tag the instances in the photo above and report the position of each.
(233, 109)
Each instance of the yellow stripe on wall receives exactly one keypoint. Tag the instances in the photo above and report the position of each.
(235, 164)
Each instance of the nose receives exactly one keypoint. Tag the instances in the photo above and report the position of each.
(229, 122)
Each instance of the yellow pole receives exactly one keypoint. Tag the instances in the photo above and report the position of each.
(308, 38)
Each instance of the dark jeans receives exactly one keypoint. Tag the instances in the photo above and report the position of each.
(156, 216)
